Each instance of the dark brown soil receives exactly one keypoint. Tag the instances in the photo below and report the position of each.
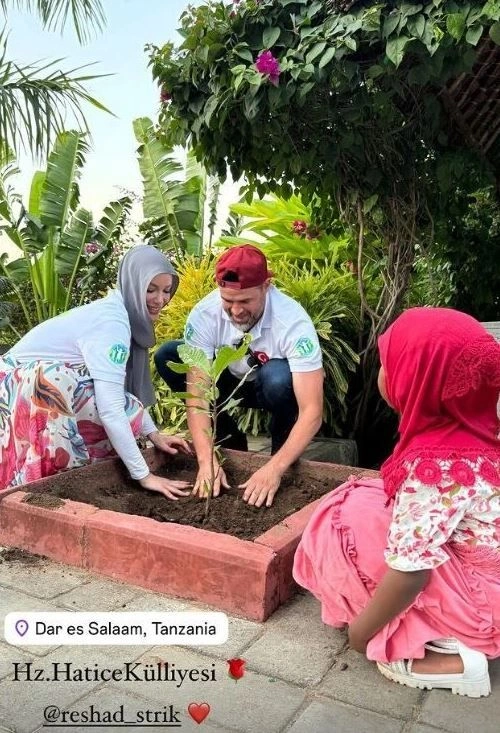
(228, 512)
(13, 554)
(45, 500)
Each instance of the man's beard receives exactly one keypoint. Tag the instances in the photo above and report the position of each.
(243, 327)
(246, 327)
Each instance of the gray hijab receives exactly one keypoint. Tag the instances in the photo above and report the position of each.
(138, 267)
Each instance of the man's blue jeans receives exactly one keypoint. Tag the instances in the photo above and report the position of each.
(271, 390)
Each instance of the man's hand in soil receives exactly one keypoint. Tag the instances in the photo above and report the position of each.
(168, 487)
(204, 479)
(170, 443)
(262, 486)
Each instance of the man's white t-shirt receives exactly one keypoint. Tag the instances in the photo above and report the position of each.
(285, 331)
(97, 335)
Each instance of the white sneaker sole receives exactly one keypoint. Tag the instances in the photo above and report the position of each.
(470, 688)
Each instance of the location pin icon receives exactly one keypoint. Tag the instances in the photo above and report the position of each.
(22, 627)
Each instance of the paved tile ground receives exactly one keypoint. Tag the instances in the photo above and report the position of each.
(301, 677)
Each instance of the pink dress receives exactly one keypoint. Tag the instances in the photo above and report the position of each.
(445, 517)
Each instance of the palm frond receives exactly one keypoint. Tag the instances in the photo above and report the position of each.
(161, 190)
(112, 221)
(36, 100)
(60, 193)
(8, 197)
(87, 15)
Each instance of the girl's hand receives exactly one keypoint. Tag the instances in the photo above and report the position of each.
(169, 488)
(170, 443)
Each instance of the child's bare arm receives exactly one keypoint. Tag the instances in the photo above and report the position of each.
(396, 592)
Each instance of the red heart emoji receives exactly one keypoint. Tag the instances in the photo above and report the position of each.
(198, 711)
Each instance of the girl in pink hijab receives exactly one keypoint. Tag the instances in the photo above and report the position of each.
(411, 561)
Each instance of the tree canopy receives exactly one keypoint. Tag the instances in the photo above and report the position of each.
(342, 102)
(295, 92)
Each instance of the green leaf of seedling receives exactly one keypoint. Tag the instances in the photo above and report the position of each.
(194, 357)
(177, 367)
(230, 405)
(227, 355)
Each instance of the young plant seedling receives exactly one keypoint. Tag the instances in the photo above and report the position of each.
(193, 357)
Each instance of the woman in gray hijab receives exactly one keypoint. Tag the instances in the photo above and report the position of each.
(74, 389)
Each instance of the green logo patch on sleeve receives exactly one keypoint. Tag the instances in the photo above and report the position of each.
(188, 332)
(118, 354)
(304, 347)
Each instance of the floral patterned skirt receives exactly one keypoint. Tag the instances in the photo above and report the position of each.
(49, 421)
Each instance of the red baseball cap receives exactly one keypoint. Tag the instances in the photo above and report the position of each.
(241, 267)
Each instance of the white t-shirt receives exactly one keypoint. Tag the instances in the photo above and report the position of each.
(285, 331)
(97, 335)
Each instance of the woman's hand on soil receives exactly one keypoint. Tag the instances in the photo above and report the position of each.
(261, 486)
(170, 443)
(204, 480)
(168, 487)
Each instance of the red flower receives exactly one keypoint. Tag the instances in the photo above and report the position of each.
(428, 472)
(299, 226)
(267, 64)
(489, 473)
(236, 668)
(462, 474)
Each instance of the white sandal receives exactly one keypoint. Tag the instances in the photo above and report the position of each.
(474, 681)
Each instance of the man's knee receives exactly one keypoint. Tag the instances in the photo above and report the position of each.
(274, 382)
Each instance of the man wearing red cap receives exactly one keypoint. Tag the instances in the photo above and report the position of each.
(282, 369)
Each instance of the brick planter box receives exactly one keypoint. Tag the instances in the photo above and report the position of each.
(248, 579)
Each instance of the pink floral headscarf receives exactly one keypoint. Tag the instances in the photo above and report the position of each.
(442, 372)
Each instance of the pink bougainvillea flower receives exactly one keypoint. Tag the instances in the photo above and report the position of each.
(428, 472)
(267, 64)
(462, 474)
(299, 226)
(489, 473)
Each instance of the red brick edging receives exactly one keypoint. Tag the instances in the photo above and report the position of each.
(248, 579)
